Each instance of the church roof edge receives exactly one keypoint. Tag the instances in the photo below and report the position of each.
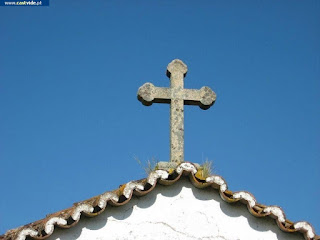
(94, 206)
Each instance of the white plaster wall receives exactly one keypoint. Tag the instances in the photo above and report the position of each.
(179, 211)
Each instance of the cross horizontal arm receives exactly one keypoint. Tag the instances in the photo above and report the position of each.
(149, 94)
(204, 97)
(162, 94)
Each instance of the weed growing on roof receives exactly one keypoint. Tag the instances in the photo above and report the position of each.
(149, 166)
(205, 170)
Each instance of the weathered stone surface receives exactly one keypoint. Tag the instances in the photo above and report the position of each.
(177, 96)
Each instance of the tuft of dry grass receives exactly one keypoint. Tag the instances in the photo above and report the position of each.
(149, 166)
(205, 170)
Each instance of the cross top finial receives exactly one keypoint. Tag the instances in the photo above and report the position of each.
(177, 66)
(177, 96)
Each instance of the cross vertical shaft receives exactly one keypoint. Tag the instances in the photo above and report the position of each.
(176, 118)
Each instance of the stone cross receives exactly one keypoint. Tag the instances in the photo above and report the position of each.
(177, 96)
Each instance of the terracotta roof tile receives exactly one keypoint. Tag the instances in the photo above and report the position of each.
(94, 206)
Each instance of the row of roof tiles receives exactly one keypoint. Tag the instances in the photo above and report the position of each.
(94, 206)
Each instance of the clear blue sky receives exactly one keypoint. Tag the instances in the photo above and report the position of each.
(71, 125)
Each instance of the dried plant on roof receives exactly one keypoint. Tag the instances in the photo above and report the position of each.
(205, 170)
(149, 166)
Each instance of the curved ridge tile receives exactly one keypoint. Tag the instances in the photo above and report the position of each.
(305, 227)
(49, 226)
(219, 181)
(81, 208)
(186, 166)
(104, 198)
(26, 232)
(248, 197)
(168, 182)
(276, 211)
(130, 187)
(155, 175)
